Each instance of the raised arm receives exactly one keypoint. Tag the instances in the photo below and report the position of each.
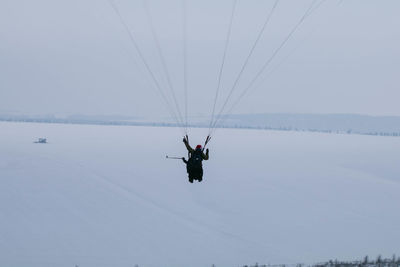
(205, 156)
(186, 142)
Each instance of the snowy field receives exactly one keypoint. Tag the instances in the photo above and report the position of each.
(106, 196)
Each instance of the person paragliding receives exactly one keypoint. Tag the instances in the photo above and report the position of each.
(194, 165)
(218, 115)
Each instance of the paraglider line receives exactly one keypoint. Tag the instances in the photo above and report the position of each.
(185, 81)
(133, 41)
(260, 34)
(223, 63)
(162, 59)
(308, 12)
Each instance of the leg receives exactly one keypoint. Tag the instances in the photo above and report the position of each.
(190, 177)
(200, 175)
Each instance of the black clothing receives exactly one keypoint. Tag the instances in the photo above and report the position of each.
(194, 166)
(191, 150)
(194, 172)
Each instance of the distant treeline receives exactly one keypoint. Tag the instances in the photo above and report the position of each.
(366, 262)
(88, 122)
(196, 125)
(327, 123)
(349, 131)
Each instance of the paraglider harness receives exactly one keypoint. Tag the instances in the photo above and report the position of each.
(194, 166)
(195, 158)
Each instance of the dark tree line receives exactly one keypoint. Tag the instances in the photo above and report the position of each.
(366, 262)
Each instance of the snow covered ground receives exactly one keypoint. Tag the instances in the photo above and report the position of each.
(106, 196)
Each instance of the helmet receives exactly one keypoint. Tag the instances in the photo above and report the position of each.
(198, 147)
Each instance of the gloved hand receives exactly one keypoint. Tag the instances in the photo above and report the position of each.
(184, 140)
(207, 151)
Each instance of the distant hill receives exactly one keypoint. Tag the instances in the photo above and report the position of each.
(330, 123)
(338, 123)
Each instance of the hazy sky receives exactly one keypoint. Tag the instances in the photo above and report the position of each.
(65, 57)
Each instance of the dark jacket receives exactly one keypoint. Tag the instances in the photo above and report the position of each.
(191, 150)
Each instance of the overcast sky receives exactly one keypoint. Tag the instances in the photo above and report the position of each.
(67, 57)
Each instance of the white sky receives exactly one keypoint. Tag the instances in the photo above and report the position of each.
(75, 57)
